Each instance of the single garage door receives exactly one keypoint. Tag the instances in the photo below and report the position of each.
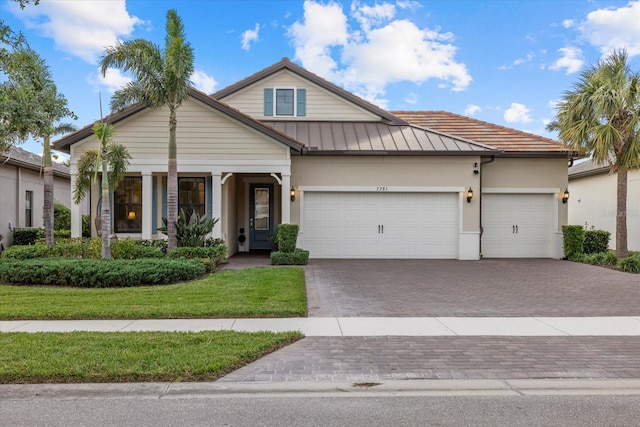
(517, 225)
(380, 225)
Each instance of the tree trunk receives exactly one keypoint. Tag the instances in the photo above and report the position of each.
(105, 213)
(172, 184)
(48, 192)
(621, 215)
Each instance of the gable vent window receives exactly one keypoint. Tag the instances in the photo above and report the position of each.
(285, 102)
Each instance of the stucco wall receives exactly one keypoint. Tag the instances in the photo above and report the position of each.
(592, 203)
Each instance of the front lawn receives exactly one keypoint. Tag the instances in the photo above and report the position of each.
(131, 356)
(252, 292)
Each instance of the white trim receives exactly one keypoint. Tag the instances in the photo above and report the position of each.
(521, 190)
(226, 177)
(275, 101)
(216, 195)
(381, 189)
(277, 178)
(147, 204)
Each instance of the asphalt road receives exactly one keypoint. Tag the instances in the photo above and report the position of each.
(283, 411)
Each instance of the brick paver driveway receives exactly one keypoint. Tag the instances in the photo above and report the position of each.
(426, 288)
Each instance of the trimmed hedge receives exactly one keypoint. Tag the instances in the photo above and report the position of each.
(25, 236)
(287, 237)
(212, 256)
(596, 241)
(99, 273)
(297, 257)
(88, 249)
(573, 240)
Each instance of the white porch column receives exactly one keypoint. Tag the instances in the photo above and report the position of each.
(76, 210)
(216, 194)
(147, 205)
(285, 211)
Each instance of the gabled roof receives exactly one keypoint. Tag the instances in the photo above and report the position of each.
(503, 138)
(376, 138)
(286, 64)
(588, 168)
(16, 156)
(64, 143)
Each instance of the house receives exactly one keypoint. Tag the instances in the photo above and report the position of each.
(22, 195)
(286, 146)
(593, 200)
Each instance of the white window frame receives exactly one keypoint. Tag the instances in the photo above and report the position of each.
(275, 101)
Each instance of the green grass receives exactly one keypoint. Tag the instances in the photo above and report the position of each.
(131, 356)
(252, 292)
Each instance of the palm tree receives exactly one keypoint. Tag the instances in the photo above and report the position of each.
(601, 116)
(161, 78)
(110, 162)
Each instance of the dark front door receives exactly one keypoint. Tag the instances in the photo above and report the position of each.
(261, 216)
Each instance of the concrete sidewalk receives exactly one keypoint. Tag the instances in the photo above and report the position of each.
(357, 326)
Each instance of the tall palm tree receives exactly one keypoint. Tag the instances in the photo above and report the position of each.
(161, 78)
(110, 161)
(601, 116)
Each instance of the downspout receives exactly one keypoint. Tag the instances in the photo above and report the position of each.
(485, 162)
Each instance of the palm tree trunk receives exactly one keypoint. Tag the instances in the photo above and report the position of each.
(621, 215)
(105, 213)
(48, 192)
(172, 183)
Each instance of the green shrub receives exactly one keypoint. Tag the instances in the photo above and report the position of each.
(57, 235)
(191, 231)
(25, 236)
(297, 257)
(61, 217)
(596, 241)
(26, 252)
(601, 258)
(630, 264)
(211, 256)
(287, 237)
(573, 241)
(130, 249)
(161, 244)
(99, 273)
(213, 242)
(86, 226)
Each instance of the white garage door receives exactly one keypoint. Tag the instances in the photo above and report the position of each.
(380, 225)
(517, 225)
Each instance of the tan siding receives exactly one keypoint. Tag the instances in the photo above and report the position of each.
(202, 133)
(321, 104)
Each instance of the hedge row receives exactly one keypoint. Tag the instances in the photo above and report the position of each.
(297, 257)
(88, 273)
(88, 249)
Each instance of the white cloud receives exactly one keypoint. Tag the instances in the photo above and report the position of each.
(518, 61)
(571, 60)
(411, 98)
(376, 50)
(614, 28)
(517, 113)
(112, 81)
(81, 28)
(567, 23)
(472, 109)
(249, 36)
(202, 81)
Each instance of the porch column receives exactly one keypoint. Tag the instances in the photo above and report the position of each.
(76, 210)
(285, 211)
(216, 212)
(147, 205)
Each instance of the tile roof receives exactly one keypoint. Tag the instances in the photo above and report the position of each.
(376, 138)
(17, 156)
(507, 139)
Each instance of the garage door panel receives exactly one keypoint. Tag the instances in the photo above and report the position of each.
(380, 225)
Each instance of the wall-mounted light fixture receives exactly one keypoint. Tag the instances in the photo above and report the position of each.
(469, 195)
(131, 216)
(292, 193)
(565, 196)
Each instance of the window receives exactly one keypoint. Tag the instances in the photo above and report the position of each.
(28, 211)
(284, 102)
(191, 196)
(127, 207)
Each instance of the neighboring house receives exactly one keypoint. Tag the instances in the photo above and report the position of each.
(593, 200)
(22, 190)
(286, 146)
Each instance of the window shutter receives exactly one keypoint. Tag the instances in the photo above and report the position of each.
(268, 101)
(302, 102)
(154, 205)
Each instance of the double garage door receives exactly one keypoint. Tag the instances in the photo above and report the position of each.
(380, 225)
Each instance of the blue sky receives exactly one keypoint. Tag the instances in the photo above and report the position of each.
(502, 61)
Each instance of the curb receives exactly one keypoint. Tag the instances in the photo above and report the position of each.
(507, 387)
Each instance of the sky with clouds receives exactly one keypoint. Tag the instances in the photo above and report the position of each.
(502, 61)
